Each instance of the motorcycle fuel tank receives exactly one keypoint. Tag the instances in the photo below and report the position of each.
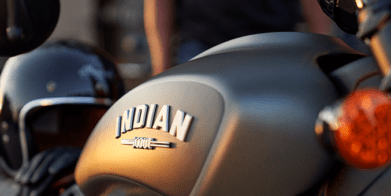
(236, 120)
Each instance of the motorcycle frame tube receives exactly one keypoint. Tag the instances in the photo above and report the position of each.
(380, 45)
(374, 28)
(45, 102)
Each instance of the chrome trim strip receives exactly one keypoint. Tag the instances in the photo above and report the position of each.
(44, 102)
(145, 143)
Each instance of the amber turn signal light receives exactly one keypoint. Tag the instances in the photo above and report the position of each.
(359, 128)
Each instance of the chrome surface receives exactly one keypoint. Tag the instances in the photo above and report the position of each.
(162, 118)
(5, 125)
(6, 138)
(181, 124)
(151, 115)
(51, 102)
(127, 122)
(118, 127)
(140, 116)
(144, 116)
(145, 143)
(51, 86)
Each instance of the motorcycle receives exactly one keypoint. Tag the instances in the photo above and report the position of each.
(268, 114)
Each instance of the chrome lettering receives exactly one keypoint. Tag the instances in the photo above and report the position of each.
(140, 116)
(162, 119)
(151, 115)
(118, 127)
(127, 122)
(137, 142)
(144, 116)
(181, 125)
(145, 143)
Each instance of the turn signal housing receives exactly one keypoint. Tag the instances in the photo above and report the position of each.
(360, 128)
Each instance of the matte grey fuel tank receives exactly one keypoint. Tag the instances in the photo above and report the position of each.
(236, 120)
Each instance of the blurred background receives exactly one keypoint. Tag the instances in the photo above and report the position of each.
(117, 27)
(113, 25)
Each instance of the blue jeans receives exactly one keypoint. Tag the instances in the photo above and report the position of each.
(190, 49)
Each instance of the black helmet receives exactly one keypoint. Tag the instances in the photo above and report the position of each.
(26, 24)
(53, 96)
(343, 12)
